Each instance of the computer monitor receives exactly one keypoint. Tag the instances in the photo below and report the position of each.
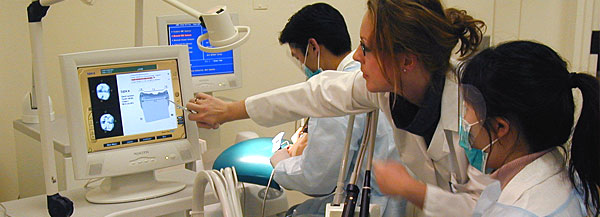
(122, 120)
(210, 71)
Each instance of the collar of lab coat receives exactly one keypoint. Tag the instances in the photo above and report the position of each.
(347, 61)
(432, 164)
(448, 120)
(533, 174)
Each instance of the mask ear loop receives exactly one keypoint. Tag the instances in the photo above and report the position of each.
(318, 57)
(306, 54)
(486, 155)
(319, 60)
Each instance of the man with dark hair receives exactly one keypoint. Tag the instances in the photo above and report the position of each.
(317, 33)
(318, 37)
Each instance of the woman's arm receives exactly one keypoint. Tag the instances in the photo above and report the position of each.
(393, 179)
(330, 93)
(211, 111)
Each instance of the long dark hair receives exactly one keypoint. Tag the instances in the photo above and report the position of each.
(528, 84)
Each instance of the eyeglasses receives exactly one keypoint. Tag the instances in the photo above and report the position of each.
(364, 48)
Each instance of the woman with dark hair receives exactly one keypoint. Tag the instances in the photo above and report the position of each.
(405, 49)
(517, 118)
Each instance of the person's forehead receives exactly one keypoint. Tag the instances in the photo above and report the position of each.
(366, 27)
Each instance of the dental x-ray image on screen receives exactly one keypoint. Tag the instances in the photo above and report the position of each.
(105, 109)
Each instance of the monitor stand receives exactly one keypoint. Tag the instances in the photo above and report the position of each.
(131, 187)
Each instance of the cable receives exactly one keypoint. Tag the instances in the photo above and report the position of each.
(352, 190)
(244, 198)
(363, 146)
(5, 210)
(224, 185)
(267, 192)
(366, 191)
(90, 181)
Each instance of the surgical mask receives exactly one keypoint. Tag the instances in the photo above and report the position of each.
(309, 73)
(477, 157)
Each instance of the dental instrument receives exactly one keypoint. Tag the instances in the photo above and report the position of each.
(182, 107)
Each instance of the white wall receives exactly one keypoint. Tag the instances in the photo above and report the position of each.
(71, 26)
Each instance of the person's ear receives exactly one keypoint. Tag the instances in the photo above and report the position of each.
(501, 127)
(409, 61)
(315, 46)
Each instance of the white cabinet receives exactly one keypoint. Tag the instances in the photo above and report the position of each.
(564, 25)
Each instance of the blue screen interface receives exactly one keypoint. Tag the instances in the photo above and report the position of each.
(203, 63)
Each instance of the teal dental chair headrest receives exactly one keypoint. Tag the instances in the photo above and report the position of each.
(251, 159)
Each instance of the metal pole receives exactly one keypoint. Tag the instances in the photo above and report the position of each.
(139, 23)
(339, 190)
(352, 190)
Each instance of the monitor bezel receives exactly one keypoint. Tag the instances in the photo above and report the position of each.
(206, 83)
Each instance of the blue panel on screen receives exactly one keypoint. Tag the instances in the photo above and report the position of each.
(203, 63)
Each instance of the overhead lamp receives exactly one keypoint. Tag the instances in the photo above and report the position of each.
(221, 33)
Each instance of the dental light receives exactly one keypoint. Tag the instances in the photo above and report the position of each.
(222, 35)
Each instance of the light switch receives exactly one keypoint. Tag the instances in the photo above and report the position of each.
(259, 4)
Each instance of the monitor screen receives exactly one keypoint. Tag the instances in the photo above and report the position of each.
(203, 63)
(131, 104)
(209, 71)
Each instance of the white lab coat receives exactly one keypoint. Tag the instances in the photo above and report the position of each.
(542, 188)
(315, 172)
(439, 202)
(333, 93)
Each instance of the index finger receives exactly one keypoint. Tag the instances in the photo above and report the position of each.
(201, 95)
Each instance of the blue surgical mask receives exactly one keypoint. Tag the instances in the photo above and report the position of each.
(477, 157)
(309, 73)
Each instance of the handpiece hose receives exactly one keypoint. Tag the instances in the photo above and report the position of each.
(366, 195)
(351, 198)
(366, 191)
(352, 190)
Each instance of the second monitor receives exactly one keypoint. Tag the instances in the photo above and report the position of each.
(210, 71)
